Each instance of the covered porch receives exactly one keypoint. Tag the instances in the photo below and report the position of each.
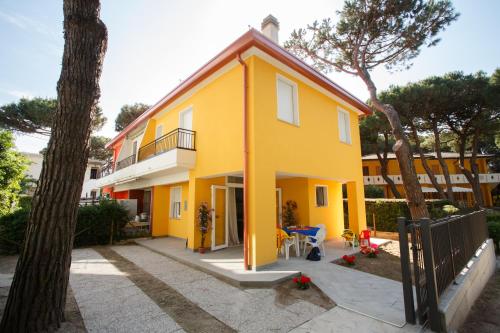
(227, 264)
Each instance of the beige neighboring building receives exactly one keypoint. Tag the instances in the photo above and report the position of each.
(89, 189)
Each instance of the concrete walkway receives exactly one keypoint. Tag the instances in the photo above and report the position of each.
(226, 264)
(367, 294)
(110, 302)
(130, 289)
(245, 310)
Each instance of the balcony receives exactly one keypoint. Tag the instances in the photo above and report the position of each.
(170, 154)
(484, 178)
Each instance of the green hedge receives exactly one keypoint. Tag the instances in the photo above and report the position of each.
(388, 210)
(493, 220)
(93, 226)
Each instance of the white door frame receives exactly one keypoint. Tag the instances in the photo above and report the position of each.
(214, 213)
(280, 209)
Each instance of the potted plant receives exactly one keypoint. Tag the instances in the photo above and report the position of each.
(289, 216)
(203, 223)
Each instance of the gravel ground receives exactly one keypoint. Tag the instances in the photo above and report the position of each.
(387, 264)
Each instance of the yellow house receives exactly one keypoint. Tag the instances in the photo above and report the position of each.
(251, 129)
(461, 187)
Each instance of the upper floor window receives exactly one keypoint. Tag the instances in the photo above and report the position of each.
(344, 126)
(93, 173)
(175, 202)
(321, 196)
(287, 100)
(159, 131)
(366, 171)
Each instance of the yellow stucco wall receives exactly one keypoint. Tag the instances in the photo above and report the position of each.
(163, 224)
(332, 216)
(217, 118)
(296, 189)
(311, 149)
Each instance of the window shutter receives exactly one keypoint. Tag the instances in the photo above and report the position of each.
(285, 101)
(344, 127)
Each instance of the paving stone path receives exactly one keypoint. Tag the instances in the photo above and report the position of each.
(245, 310)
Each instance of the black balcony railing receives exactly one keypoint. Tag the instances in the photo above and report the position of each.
(178, 138)
(125, 162)
(106, 170)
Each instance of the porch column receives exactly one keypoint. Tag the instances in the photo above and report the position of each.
(336, 225)
(356, 206)
(193, 232)
(262, 217)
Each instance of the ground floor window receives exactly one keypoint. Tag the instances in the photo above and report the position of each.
(321, 196)
(175, 202)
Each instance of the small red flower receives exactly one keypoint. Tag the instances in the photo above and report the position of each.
(295, 279)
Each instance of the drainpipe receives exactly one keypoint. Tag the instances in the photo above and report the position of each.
(245, 163)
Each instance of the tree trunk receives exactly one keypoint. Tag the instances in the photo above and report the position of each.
(384, 168)
(402, 149)
(473, 174)
(442, 163)
(423, 158)
(37, 296)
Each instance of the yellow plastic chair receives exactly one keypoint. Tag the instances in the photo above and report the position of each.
(348, 236)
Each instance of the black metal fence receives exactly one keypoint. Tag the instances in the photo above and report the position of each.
(440, 250)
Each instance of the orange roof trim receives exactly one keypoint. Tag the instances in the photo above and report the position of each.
(246, 41)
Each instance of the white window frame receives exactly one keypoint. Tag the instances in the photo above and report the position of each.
(181, 114)
(348, 139)
(159, 128)
(295, 99)
(325, 195)
(173, 204)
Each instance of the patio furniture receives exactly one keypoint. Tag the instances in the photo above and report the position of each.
(301, 231)
(348, 236)
(317, 240)
(285, 241)
(364, 238)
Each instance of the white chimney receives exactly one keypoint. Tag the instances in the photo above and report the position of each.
(270, 28)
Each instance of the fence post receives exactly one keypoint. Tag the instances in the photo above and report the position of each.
(405, 270)
(430, 274)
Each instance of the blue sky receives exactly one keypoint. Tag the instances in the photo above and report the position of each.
(155, 44)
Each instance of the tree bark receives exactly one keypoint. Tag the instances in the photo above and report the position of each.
(402, 149)
(425, 164)
(384, 168)
(37, 296)
(473, 174)
(442, 163)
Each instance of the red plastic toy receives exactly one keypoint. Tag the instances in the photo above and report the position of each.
(364, 239)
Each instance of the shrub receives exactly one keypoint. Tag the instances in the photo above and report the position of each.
(12, 229)
(387, 211)
(372, 191)
(93, 226)
(94, 223)
(493, 220)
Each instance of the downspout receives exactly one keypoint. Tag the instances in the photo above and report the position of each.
(245, 162)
